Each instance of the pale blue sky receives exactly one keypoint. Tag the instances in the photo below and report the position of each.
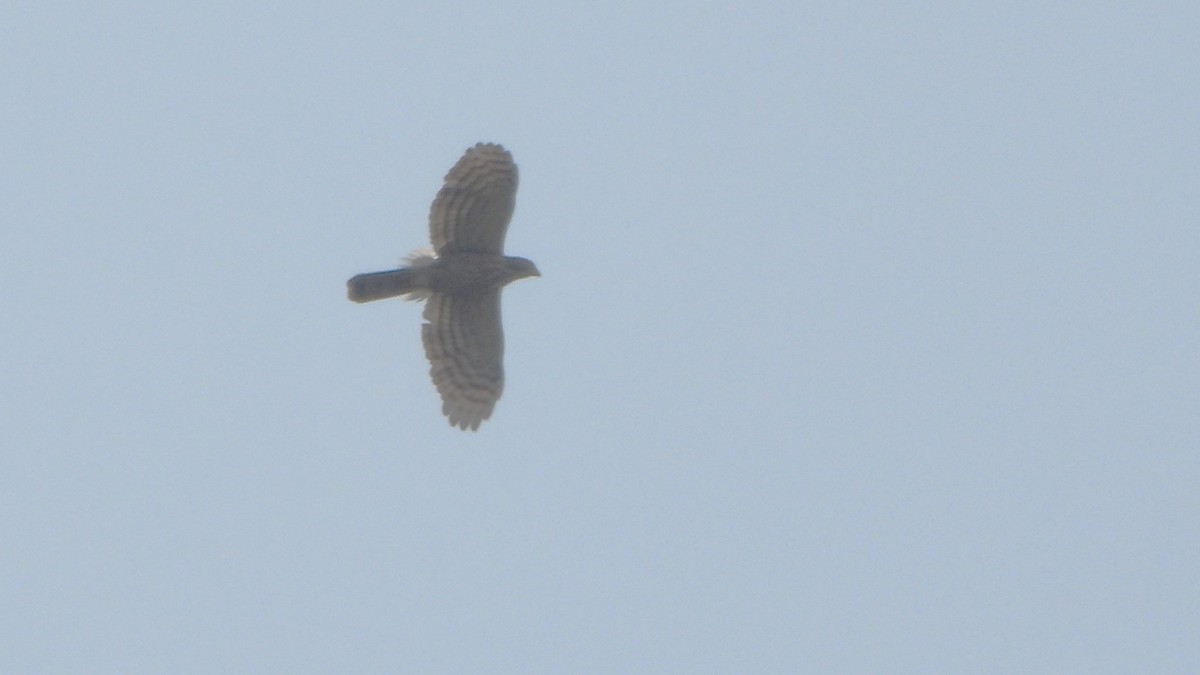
(868, 339)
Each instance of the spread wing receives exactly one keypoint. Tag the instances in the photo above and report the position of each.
(472, 210)
(464, 343)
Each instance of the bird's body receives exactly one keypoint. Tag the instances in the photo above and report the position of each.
(454, 273)
(461, 282)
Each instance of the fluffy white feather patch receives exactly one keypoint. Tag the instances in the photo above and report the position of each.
(422, 257)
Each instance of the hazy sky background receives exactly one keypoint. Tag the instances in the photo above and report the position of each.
(868, 339)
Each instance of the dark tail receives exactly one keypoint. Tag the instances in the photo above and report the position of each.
(379, 285)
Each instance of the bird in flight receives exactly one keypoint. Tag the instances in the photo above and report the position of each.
(460, 282)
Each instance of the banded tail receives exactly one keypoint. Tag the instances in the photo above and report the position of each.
(380, 285)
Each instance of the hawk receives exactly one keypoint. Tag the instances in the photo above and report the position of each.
(460, 282)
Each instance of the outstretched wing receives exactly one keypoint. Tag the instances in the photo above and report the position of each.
(472, 210)
(464, 342)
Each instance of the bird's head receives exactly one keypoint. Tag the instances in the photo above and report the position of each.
(519, 268)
